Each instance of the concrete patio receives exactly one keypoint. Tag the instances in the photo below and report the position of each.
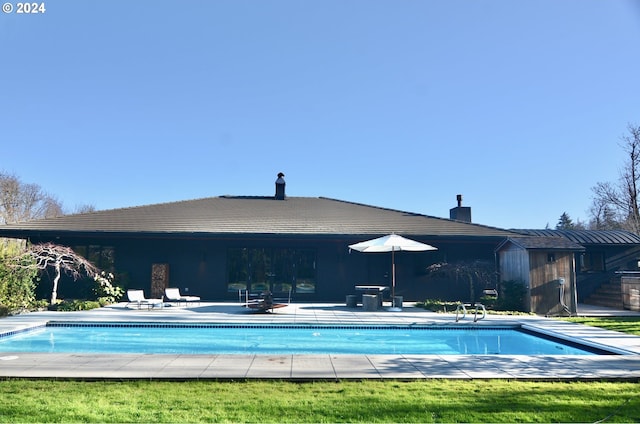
(330, 367)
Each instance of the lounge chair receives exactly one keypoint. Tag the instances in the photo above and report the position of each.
(173, 295)
(265, 303)
(137, 297)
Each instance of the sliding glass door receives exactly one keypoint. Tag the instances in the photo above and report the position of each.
(274, 269)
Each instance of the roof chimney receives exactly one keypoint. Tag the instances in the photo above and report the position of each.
(280, 184)
(460, 213)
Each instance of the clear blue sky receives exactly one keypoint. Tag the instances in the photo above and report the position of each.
(517, 105)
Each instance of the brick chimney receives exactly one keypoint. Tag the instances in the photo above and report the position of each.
(280, 185)
(460, 213)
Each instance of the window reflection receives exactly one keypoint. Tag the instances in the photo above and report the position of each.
(277, 270)
(592, 262)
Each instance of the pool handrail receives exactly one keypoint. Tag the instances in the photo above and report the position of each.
(462, 307)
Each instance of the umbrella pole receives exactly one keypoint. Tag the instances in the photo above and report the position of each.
(393, 275)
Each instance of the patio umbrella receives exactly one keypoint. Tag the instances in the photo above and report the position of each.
(392, 243)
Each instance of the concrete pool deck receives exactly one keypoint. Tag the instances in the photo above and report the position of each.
(327, 366)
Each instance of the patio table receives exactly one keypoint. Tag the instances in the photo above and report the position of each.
(373, 289)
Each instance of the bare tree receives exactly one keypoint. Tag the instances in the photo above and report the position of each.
(25, 202)
(603, 216)
(62, 259)
(86, 208)
(478, 274)
(620, 202)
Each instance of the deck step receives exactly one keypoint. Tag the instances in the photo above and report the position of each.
(608, 295)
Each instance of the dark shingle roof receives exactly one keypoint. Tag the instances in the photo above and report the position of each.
(254, 215)
(584, 237)
(542, 243)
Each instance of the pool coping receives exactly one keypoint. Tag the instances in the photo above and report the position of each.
(325, 366)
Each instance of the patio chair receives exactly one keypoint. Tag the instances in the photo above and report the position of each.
(137, 297)
(265, 303)
(173, 295)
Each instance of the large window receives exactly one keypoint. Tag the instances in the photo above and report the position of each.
(100, 256)
(278, 270)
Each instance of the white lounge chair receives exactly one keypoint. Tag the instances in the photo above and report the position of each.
(173, 295)
(137, 297)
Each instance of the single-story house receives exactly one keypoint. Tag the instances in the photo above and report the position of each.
(214, 247)
(218, 246)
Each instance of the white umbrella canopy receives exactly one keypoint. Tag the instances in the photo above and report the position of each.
(391, 243)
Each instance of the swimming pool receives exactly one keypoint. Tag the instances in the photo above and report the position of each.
(155, 338)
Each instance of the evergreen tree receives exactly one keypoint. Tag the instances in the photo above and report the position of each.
(565, 222)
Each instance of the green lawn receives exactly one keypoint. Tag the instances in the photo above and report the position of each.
(629, 325)
(325, 401)
(354, 401)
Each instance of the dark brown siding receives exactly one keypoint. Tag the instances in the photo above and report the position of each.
(545, 273)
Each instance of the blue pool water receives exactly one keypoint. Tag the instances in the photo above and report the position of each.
(238, 339)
